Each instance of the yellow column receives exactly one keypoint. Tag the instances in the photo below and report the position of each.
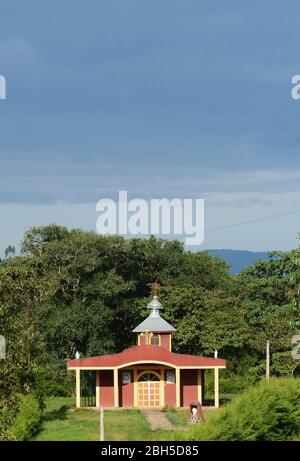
(203, 385)
(116, 387)
(77, 388)
(216, 387)
(162, 387)
(135, 388)
(98, 388)
(199, 386)
(177, 387)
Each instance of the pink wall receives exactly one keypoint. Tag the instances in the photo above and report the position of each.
(165, 340)
(170, 392)
(189, 387)
(107, 388)
(126, 392)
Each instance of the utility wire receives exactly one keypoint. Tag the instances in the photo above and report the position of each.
(229, 226)
(214, 229)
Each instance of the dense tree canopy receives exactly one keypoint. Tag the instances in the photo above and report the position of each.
(74, 290)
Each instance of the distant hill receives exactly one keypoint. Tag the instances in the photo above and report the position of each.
(239, 259)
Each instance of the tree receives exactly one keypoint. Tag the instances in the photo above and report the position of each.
(10, 251)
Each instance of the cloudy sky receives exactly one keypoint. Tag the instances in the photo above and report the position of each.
(163, 98)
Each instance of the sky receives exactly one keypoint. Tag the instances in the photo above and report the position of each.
(162, 98)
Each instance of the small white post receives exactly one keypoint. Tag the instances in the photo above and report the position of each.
(101, 424)
(268, 362)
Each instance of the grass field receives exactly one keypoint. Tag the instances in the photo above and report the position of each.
(61, 421)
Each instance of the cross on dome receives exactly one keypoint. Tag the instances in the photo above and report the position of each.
(154, 322)
(155, 306)
(154, 287)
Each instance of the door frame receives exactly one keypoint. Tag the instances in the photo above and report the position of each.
(159, 375)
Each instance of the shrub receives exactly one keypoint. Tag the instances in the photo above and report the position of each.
(234, 384)
(6, 416)
(263, 412)
(50, 388)
(27, 420)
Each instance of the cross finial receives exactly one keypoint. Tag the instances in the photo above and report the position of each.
(154, 287)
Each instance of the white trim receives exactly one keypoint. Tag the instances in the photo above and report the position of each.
(141, 362)
(137, 363)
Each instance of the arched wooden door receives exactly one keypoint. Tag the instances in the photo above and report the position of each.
(149, 390)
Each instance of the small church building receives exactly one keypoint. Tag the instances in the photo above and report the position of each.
(148, 375)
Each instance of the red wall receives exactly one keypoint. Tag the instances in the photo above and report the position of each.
(107, 388)
(189, 387)
(170, 392)
(126, 392)
(165, 341)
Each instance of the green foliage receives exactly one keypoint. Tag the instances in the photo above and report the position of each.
(235, 384)
(50, 388)
(7, 412)
(74, 290)
(27, 420)
(263, 412)
(283, 364)
(10, 251)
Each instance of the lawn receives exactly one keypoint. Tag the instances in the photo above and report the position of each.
(61, 421)
(179, 416)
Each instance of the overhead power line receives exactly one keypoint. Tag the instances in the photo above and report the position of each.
(265, 218)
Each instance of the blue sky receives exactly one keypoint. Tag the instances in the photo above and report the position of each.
(163, 98)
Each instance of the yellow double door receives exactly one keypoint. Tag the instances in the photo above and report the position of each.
(149, 394)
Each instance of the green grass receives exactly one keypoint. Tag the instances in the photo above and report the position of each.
(179, 416)
(62, 422)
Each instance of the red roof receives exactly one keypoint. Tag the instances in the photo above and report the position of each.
(142, 354)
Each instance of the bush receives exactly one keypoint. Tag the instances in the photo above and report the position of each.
(234, 384)
(6, 416)
(262, 412)
(27, 420)
(50, 388)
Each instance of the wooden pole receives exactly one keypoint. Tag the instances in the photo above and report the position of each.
(101, 424)
(268, 362)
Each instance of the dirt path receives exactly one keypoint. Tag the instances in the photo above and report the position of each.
(157, 419)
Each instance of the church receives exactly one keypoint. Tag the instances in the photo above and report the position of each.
(148, 375)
